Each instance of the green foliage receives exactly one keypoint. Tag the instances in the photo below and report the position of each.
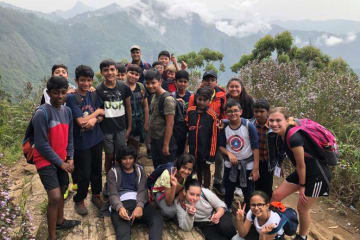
(264, 47)
(283, 42)
(244, 60)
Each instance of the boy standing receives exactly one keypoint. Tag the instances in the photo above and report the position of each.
(53, 152)
(128, 197)
(115, 96)
(239, 144)
(181, 84)
(261, 113)
(163, 146)
(88, 138)
(202, 124)
(170, 77)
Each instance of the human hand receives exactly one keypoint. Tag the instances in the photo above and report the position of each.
(220, 125)
(255, 174)
(165, 150)
(183, 65)
(173, 179)
(190, 208)
(268, 228)
(303, 199)
(233, 159)
(71, 163)
(240, 213)
(71, 90)
(215, 218)
(124, 214)
(146, 126)
(181, 100)
(66, 167)
(173, 59)
(90, 123)
(100, 111)
(137, 213)
(92, 89)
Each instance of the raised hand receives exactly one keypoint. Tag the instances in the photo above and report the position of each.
(240, 213)
(173, 179)
(190, 208)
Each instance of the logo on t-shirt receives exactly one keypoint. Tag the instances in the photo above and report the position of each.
(114, 109)
(236, 143)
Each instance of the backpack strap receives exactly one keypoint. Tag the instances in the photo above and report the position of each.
(93, 96)
(162, 101)
(43, 108)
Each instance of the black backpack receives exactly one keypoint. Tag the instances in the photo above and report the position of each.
(180, 128)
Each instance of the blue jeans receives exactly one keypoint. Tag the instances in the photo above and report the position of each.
(230, 188)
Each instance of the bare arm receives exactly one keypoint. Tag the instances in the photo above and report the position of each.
(146, 111)
(168, 133)
(300, 163)
(129, 115)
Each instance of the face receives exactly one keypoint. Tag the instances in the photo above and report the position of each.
(233, 113)
(57, 96)
(84, 83)
(153, 85)
(202, 102)
(278, 123)
(164, 59)
(261, 114)
(109, 73)
(121, 76)
(210, 82)
(127, 162)
(234, 89)
(258, 206)
(186, 170)
(193, 194)
(160, 68)
(61, 72)
(136, 55)
(181, 84)
(132, 76)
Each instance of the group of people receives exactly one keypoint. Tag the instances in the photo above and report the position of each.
(184, 134)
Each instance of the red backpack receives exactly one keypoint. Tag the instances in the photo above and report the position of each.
(320, 136)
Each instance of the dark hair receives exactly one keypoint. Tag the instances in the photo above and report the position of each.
(152, 74)
(120, 67)
(106, 63)
(125, 151)
(133, 67)
(232, 103)
(184, 159)
(191, 182)
(57, 82)
(164, 53)
(261, 194)
(83, 71)
(182, 74)
(205, 92)
(157, 63)
(56, 66)
(262, 103)
(246, 101)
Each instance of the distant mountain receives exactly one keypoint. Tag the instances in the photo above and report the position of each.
(78, 8)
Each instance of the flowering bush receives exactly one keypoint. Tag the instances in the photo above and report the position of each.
(328, 97)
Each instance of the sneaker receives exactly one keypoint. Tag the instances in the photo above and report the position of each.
(80, 208)
(96, 200)
(219, 188)
(67, 224)
(298, 237)
(74, 187)
(66, 194)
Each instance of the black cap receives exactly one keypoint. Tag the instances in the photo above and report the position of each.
(210, 73)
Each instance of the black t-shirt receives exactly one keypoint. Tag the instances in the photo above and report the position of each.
(113, 102)
(300, 139)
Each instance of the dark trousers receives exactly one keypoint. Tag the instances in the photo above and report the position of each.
(203, 173)
(88, 165)
(156, 151)
(230, 188)
(150, 217)
(224, 230)
(265, 181)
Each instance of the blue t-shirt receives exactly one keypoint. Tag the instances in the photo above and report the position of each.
(84, 138)
(128, 181)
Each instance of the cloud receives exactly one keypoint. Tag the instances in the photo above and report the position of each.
(331, 40)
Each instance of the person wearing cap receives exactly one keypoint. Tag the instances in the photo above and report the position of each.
(217, 103)
(136, 59)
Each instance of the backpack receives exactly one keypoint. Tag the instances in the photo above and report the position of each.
(180, 128)
(150, 182)
(288, 218)
(28, 143)
(321, 137)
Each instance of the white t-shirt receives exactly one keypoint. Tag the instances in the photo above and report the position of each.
(274, 218)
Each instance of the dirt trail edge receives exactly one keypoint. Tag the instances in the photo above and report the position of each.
(334, 223)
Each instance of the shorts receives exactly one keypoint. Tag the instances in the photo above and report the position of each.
(114, 141)
(315, 186)
(53, 177)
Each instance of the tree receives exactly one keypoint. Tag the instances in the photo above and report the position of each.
(264, 47)
(283, 43)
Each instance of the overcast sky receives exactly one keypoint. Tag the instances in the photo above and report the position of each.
(264, 9)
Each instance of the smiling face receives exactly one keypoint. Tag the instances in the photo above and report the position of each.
(132, 76)
(233, 113)
(278, 123)
(61, 72)
(57, 96)
(181, 84)
(84, 83)
(210, 82)
(136, 55)
(186, 170)
(160, 68)
(153, 85)
(258, 206)
(164, 59)
(127, 162)
(234, 89)
(192, 195)
(109, 73)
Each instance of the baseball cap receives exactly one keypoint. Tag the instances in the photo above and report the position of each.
(134, 47)
(210, 73)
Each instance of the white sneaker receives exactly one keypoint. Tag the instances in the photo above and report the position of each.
(238, 192)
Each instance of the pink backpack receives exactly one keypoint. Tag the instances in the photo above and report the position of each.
(320, 136)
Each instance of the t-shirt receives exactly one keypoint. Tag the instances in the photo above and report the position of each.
(113, 102)
(240, 142)
(128, 186)
(157, 126)
(137, 108)
(186, 97)
(84, 138)
(274, 218)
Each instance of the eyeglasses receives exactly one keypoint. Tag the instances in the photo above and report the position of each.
(232, 111)
(259, 205)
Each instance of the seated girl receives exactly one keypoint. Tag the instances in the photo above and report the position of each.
(264, 219)
(204, 209)
(171, 183)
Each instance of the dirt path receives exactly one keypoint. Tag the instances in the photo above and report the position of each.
(329, 222)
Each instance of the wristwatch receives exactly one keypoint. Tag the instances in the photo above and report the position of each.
(302, 185)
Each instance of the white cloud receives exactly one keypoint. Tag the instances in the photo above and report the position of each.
(351, 37)
(331, 40)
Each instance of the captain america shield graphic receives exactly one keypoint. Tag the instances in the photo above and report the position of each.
(236, 143)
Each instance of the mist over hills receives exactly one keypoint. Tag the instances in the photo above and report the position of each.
(31, 42)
